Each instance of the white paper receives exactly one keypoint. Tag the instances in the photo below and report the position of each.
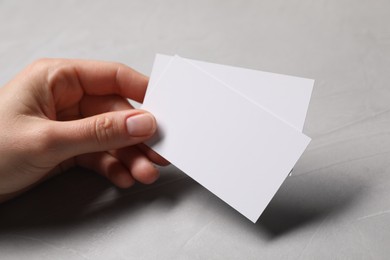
(286, 97)
(227, 143)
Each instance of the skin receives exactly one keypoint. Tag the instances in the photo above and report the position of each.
(59, 113)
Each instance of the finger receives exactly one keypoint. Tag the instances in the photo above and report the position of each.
(108, 166)
(104, 78)
(92, 105)
(141, 168)
(102, 132)
(152, 155)
(78, 77)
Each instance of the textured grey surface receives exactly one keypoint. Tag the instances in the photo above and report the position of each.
(335, 206)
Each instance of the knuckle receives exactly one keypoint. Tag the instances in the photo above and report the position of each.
(55, 70)
(104, 129)
(61, 76)
(42, 64)
(39, 66)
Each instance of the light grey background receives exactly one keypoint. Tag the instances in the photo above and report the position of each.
(335, 206)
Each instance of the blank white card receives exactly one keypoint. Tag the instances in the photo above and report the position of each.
(233, 145)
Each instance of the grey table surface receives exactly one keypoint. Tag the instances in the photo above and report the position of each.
(336, 205)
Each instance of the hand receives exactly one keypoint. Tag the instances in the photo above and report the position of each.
(60, 113)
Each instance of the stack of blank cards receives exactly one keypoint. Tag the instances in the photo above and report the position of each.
(237, 132)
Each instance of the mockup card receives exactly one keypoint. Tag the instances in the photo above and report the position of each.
(229, 128)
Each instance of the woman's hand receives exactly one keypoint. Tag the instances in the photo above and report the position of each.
(60, 113)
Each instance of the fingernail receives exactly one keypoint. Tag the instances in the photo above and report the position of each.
(140, 125)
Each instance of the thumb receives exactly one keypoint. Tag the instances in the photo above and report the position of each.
(104, 132)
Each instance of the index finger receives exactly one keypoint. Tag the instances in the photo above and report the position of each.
(99, 77)
(103, 78)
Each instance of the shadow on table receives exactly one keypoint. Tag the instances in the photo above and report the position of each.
(80, 196)
(306, 199)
